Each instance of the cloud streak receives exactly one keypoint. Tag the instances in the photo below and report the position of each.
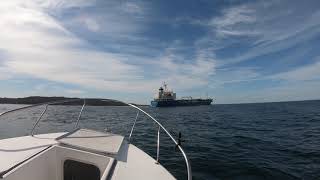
(40, 46)
(265, 27)
(305, 73)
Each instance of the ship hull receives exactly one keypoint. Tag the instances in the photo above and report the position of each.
(181, 102)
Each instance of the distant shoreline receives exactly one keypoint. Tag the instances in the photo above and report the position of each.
(43, 99)
(267, 102)
(97, 102)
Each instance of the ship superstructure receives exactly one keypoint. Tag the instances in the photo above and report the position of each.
(165, 94)
(167, 98)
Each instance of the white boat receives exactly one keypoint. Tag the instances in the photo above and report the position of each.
(82, 154)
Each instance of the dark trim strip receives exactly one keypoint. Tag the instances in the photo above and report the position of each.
(18, 164)
(88, 150)
(110, 174)
(67, 134)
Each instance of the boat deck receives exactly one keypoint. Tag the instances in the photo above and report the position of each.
(37, 157)
(97, 142)
(15, 151)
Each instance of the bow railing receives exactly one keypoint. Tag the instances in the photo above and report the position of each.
(158, 139)
(160, 126)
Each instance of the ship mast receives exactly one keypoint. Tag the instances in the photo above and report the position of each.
(165, 86)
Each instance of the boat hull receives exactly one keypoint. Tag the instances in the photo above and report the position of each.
(181, 102)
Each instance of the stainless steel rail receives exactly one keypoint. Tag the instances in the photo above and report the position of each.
(37, 122)
(167, 132)
(43, 112)
(84, 104)
(160, 126)
(134, 123)
(40, 104)
(158, 146)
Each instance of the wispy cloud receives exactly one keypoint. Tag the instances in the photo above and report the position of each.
(185, 72)
(232, 20)
(39, 45)
(284, 92)
(292, 91)
(265, 27)
(303, 73)
(232, 75)
(50, 89)
(245, 36)
(5, 73)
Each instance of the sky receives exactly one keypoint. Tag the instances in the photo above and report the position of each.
(234, 51)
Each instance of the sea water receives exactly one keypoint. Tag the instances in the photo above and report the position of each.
(243, 141)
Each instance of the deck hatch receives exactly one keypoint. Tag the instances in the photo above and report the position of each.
(94, 141)
(75, 170)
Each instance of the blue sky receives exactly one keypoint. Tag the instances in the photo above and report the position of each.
(236, 51)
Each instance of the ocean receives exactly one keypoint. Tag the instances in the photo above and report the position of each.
(243, 141)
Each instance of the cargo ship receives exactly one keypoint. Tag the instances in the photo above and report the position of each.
(167, 98)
